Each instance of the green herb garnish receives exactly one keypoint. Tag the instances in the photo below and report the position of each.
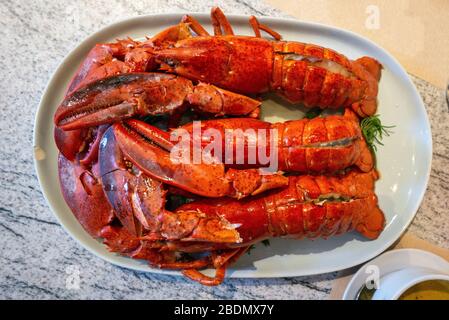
(374, 131)
(175, 201)
(265, 242)
(365, 293)
(251, 247)
(313, 113)
(153, 119)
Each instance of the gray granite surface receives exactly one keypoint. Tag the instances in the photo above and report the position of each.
(36, 254)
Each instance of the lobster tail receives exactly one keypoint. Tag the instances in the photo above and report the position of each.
(372, 66)
(373, 221)
(299, 72)
(365, 159)
(310, 207)
(368, 70)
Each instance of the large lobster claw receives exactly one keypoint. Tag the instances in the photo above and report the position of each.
(81, 145)
(99, 63)
(83, 193)
(149, 149)
(139, 202)
(120, 184)
(126, 95)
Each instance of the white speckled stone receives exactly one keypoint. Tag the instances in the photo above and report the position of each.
(36, 251)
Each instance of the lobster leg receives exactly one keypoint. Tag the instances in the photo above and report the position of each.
(257, 26)
(173, 34)
(220, 22)
(195, 25)
(196, 275)
(178, 32)
(220, 262)
(119, 239)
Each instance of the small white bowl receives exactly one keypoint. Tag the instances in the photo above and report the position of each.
(394, 284)
(397, 271)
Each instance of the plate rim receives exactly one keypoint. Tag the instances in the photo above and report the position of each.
(314, 25)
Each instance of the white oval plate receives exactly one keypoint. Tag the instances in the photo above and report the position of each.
(404, 161)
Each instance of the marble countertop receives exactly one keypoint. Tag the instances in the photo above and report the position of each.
(38, 258)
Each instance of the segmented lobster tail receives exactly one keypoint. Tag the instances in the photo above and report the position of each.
(310, 207)
(299, 72)
(319, 145)
(369, 70)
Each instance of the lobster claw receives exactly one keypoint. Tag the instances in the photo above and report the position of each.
(69, 143)
(126, 95)
(80, 144)
(149, 148)
(110, 99)
(83, 194)
(139, 203)
(119, 184)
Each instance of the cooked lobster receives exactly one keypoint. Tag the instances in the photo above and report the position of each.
(322, 144)
(299, 72)
(117, 171)
(317, 145)
(309, 206)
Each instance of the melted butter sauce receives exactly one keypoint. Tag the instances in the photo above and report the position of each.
(427, 290)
